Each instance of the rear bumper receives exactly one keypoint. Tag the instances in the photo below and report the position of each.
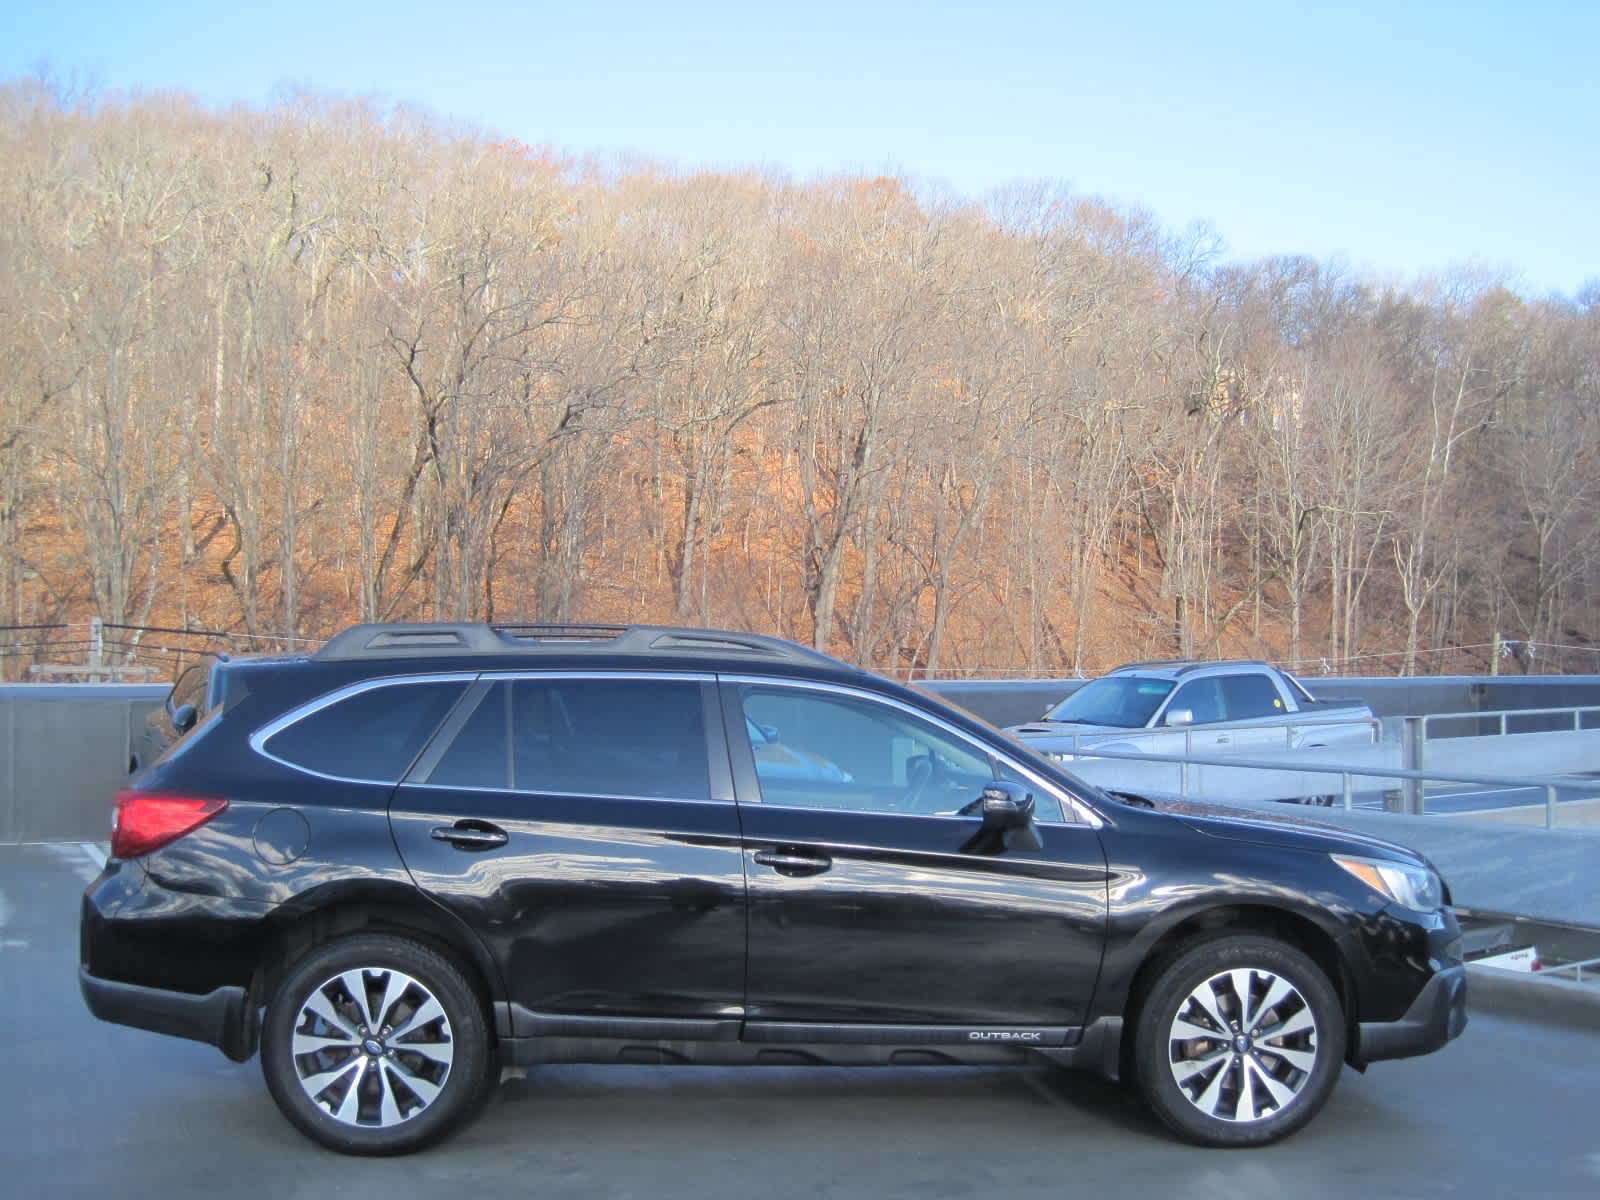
(217, 1018)
(1438, 1014)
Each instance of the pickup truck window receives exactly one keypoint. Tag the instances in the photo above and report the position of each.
(1202, 697)
(1299, 689)
(1251, 697)
(1121, 701)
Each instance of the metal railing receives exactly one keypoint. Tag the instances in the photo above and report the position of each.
(1502, 716)
(1373, 724)
(1348, 774)
(1592, 965)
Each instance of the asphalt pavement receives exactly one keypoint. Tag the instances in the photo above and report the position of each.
(93, 1109)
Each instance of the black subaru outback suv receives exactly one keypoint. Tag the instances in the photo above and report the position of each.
(428, 850)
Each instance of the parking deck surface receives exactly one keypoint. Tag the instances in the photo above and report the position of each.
(92, 1109)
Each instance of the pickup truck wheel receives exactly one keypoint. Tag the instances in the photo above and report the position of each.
(1239, 1042)
(374, 1044)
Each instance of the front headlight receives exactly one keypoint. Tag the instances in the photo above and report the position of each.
(1414, 887)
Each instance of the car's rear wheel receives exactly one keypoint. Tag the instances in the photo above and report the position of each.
(1239, 1041)
(375, 1044)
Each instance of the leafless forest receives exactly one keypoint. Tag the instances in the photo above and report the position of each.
(276, 371)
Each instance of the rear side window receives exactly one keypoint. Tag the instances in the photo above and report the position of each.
(480, 755)
(1251, 696)
(372, 735)
(601, 737)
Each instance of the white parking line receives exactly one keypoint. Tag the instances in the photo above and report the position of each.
(96, 855)
(1474, 795)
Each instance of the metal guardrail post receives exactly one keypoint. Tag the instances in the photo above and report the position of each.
(1413, 738)
(1550, 807)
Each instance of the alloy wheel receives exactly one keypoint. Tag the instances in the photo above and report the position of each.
(1243, 1045)
(372, 1047)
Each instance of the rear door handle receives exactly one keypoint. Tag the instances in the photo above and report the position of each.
(471, 835)
(794, 862)
(1223, 739)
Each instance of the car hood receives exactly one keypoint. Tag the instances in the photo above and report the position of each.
(1239, 824)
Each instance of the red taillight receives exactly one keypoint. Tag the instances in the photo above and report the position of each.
(146, 821)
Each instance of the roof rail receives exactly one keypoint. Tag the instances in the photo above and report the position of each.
(403, 639)
(1184, 665)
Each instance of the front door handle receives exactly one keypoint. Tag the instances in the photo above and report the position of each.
(794, 862)
(1223, 739)
(471, 835)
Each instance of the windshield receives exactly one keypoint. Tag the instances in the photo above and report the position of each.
(1123, 701)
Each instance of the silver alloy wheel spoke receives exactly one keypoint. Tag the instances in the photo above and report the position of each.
(1224, 1063)
(1190, 1067)
(441, 1054)
(424, 1089)
(323, 1007)
(355, 983)
(1300, 1060)
(389, 1110)
(384, 1080)
(425, 1014)
(311, 1043)
(1279, 1092)
(1277, 992)
(1206, 996)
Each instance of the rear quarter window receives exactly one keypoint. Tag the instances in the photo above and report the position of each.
(371, 735)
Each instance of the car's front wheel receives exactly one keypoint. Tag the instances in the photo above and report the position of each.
(375, 1044)
(1239, 1041)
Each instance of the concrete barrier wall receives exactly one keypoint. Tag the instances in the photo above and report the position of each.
(1568, 753)
(64, 752)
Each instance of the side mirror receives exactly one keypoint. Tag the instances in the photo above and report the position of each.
(1180, 716)
(1005, 806)
(1007, 812)
(183, 718)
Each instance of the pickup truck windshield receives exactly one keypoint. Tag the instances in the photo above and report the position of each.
(1123, 701)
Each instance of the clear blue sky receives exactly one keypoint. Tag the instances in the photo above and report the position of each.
(1403, 136)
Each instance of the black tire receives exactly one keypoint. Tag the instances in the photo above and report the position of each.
(1282, 1095)
(388, 1115)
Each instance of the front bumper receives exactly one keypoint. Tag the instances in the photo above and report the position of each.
(217, 1018)
(1438, 1014)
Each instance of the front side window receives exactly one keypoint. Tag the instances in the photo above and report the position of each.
(373, 735)
(601, 737)
(1203, 699)
(821, 750)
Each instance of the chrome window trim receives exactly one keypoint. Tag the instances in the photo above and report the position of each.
(569, 673)
(260, 738)
(1068, 801)
(452, 787)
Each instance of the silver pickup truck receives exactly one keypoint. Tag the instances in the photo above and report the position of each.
(1202, 708)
